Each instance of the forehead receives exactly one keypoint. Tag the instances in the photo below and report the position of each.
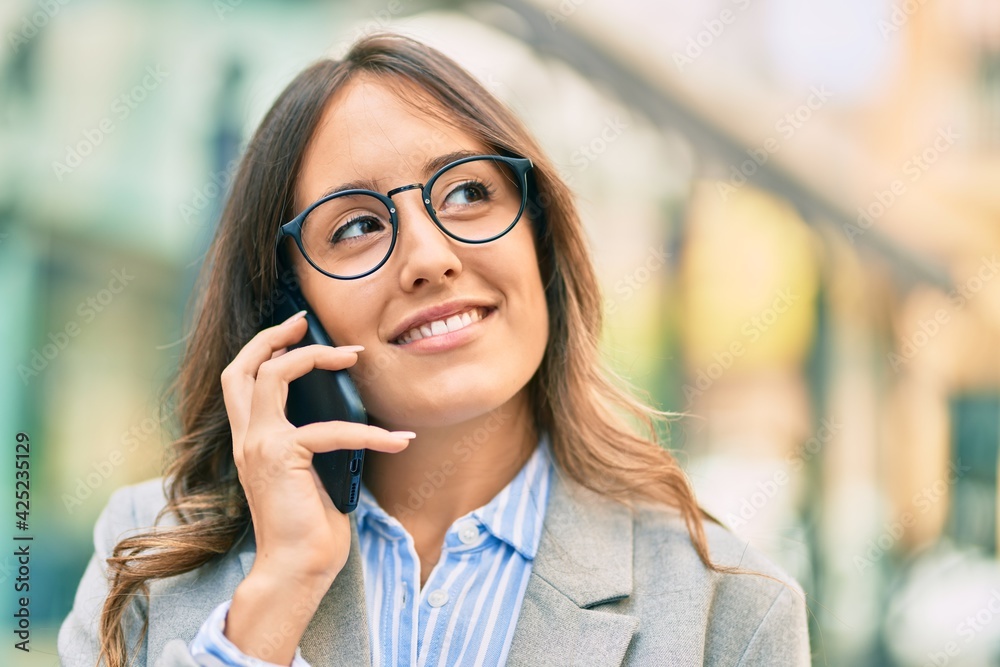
(369, 132)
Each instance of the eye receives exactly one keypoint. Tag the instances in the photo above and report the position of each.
(357, 227)
(470, 192)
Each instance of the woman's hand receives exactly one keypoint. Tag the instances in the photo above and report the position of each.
(302, 538)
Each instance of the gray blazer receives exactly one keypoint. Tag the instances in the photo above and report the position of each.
(609, 586)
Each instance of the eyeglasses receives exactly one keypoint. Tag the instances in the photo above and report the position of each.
(351, 233)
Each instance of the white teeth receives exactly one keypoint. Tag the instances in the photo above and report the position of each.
(438, 327)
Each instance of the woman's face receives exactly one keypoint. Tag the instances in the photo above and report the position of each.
(368, 134)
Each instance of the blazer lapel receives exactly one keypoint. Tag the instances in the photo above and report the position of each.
(338, 632)
(584, 559)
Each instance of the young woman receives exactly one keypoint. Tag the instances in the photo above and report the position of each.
(510, 512)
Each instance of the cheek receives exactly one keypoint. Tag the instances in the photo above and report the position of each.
(528, 317)
(376, 365)
(354, 316)
(540, 317)
(346, 310)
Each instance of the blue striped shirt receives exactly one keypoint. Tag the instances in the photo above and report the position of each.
(467, 610)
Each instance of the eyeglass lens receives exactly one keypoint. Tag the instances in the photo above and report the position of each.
(350, 234)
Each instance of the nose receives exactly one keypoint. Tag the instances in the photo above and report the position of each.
(425, 254)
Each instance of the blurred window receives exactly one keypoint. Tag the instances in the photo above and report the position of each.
(975, 438)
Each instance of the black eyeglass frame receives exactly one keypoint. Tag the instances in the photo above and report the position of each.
(293, 228)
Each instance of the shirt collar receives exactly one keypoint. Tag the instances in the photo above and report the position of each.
(515, 515)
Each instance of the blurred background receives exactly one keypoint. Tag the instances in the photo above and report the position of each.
(794, 208)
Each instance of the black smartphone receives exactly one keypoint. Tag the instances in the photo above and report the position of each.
(324, 395)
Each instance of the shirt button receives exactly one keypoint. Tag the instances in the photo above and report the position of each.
(437, 598)
(468, 533)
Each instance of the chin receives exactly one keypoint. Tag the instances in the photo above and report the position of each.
(444, 408)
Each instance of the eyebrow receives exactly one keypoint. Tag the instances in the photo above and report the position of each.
(430, 166)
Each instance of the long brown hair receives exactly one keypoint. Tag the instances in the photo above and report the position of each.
(601, 435)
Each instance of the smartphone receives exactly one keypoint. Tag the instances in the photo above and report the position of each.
(324, 395)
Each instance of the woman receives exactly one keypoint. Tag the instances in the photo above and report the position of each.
(510, 514)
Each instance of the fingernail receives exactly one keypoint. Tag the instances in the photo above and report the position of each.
(294, 317)
(351, 348)
(403, 434)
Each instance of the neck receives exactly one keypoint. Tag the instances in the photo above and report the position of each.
(446, 472)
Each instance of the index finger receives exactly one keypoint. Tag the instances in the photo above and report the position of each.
(239, 376)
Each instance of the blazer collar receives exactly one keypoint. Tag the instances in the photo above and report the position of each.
(584, 559)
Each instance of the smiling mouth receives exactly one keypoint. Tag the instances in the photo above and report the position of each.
(446, 325)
